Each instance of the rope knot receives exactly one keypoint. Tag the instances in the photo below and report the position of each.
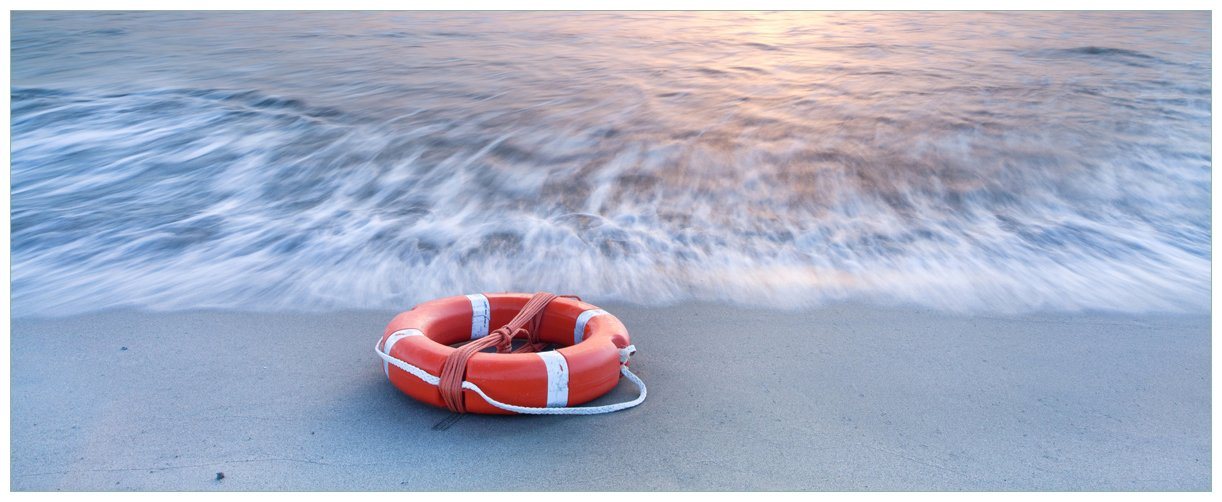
(454, 370)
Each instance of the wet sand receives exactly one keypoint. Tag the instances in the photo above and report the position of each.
(846, 397)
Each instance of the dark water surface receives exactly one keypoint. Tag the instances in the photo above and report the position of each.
(967, 161)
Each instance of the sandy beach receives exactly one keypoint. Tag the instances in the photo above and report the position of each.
(847, 397)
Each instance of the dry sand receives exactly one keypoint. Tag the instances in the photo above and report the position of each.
(840, 398)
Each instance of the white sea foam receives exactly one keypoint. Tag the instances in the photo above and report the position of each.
(305, 161)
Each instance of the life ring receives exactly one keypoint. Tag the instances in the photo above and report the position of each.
(593, 348)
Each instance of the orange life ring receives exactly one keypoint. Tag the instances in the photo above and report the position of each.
(593, 350)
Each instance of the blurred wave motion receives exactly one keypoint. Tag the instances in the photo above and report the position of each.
(279, 160)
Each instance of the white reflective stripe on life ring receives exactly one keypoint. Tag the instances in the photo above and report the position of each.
(557, 378)
(579, 331)
(392, 339)
(481, 315)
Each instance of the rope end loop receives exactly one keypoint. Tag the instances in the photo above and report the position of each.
(626, 353)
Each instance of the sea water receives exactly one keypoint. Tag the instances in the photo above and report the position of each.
(997, 162)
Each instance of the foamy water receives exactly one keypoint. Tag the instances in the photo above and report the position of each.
(964, 161)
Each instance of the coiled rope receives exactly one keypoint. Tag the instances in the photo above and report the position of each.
(454, 371)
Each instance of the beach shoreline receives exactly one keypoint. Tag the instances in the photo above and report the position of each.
(843, 397)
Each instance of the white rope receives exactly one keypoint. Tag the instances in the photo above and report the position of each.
(625, 353)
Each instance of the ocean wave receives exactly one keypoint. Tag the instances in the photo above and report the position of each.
(786, 182)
